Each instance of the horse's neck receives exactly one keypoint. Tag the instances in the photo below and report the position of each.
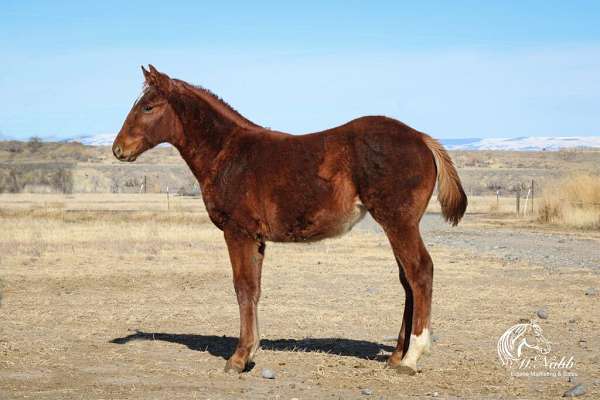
(205, 133)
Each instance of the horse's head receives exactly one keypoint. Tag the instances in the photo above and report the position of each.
(151, 120)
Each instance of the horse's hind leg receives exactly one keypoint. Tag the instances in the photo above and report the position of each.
(402, 346)
(416, 276)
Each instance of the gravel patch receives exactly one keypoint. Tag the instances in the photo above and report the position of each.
(551, 250)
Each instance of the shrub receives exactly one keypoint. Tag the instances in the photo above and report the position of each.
(34, 144)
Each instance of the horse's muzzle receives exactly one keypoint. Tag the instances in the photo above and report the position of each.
(120, 154)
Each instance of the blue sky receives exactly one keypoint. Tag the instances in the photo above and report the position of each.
(453, 69)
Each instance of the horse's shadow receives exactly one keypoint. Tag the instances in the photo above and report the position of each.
(224, 346)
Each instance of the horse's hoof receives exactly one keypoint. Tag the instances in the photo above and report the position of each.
(394, 360)
(405, 370)
(231, 365)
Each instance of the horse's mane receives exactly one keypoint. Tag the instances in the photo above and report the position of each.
(218, 104)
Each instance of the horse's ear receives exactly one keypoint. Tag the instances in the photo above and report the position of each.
(146, 73)
(158, 80)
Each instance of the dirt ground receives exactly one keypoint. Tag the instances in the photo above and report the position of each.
(114, 297)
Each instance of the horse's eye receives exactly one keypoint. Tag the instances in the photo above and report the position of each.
(147, 109)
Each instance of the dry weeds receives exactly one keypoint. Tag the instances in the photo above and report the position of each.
(573, 201)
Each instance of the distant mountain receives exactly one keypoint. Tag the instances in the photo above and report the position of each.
(101, 139)
(531, 143)
(526, 143)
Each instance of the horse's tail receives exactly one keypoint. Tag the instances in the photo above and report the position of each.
(451, 195)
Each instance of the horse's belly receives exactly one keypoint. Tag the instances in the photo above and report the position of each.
(322, 224)
(346, 222)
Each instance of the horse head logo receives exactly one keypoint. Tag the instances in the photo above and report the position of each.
(520, 337)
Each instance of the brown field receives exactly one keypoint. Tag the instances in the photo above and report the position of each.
(113, 296)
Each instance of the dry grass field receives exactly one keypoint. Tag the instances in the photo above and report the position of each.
(112, 296)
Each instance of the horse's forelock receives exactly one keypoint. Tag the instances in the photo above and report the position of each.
(145, 88)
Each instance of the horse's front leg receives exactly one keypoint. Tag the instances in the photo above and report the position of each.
(246, 255)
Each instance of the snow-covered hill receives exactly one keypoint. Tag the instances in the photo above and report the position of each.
(532, 143)
(101, 139)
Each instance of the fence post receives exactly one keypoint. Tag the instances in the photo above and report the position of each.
(532, 186)
(145, 184)
(168, 203)
(525, 209)
(518, 202)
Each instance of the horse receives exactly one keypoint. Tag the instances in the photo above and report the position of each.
(260, 185)
(518, 338)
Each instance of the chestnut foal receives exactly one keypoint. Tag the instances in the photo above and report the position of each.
(260, 185)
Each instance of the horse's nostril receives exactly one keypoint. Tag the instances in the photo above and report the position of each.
(117, 151)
